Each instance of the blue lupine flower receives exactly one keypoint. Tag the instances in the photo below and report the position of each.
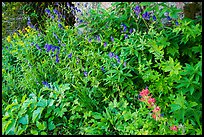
(70, 55)
(85, 74)
(60, 26)
(154, 17)
(131, 30)
(53, 48)
(137, 10)
(52, 17)
(47, 11)
(46, 84)
(168, 18)
(105, 44)
(98, 38)
(29, 23)
(112, 39)
(126, 36)
(111, 54)
(146, 16)
(49, 47)
(80, 21)
(55, 11)
(89, 40)
(56, 3)
(124, 27)
(166, 14)
(162, 115)
(38, 47)
(177, 23)
(57, 58)
(103, 69)
(32, 44)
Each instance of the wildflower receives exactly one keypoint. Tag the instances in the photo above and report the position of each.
(49, 47)
(46, 84)
(154, 116)
(151, 101)
(126, 36)
(105, 44)
(139, 96)
(176, 23)
(112, 39)
(68, 5)
(131, 30)
(124, 27)
(37, 46)
(85, 74)
(168, 18)
(103, 69)
(80, 21)
(137, 10)
(146, 16)
(144, 92)
(60, 26)
(29, 23)
(8, 38)
(70, 55)
(174, 128)
(166, 14)
(55, 11)
(47, 11)
(89, 40)
(154, 17)
(98, 38)
(53, 48)
(162, 115)
(156, 109)
(57, 58)
(111, 54)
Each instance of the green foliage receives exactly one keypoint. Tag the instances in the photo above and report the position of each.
(62, 80)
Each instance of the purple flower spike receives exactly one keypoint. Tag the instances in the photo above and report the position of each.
(57, 58)
(154, 17)
(85, 74)
(111, 54)
(126, 36)
(49, 47)
(125, 63)
(98, 38)
(105, 44)
(70, 55)
(103, 69)
(146, 16)
(177, 23)
(137, 10)
(38, 47)
(131, 30)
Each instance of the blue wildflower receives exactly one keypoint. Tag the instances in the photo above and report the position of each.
(111, 54)
(162, 115)
(177, 23)
(46, 84)
(131, 30)
(124, 27)
(89, 40)
(168, 18)
(53, 48)
(57, 58)
(47, 11)
(70, 55)
(126, 36)
(49, 47)
(98, 38)
(103, 69)
(154, 17)
(38, 47)
(55, 11)
(112, 39)
(105, 44)
(68, 5)
(137, 10)
(85, 74)
(60, 26)
(80, 21)
(146, 16)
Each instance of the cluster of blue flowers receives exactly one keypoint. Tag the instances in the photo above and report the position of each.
(53, 48)
(46, 84)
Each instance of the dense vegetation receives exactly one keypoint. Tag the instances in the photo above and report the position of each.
(127, 70)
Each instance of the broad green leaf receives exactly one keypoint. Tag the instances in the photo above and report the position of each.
(175, 107)
(42, 103)
(51, 101)
(51, 125)
(24, 120)
(191, 89)
(41, 126)
(11, 126)
(43, 133)
(34, 132)
(193, 104)
(37, 113)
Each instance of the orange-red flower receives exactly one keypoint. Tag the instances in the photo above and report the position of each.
(156, 109)
(174, 128)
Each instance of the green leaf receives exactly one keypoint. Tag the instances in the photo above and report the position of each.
(97, 115)
(37, 113)
(43, 133)
(34, 132)
(11, 126)
(24, 120)
(191, 90)
(42, 103)
(193, 104)
(175, 107)
(51, 125)
(41, 126)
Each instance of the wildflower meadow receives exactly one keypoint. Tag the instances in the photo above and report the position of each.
(133, 69)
